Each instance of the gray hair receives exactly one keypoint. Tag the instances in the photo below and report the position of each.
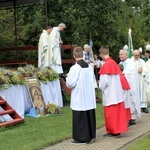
(62, 25)
(125, 51)
(86, 46)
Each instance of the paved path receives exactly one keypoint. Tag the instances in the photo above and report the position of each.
(141, 128)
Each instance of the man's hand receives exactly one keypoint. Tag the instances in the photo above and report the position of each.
(140, 70)
(88, 61)
(61, 42)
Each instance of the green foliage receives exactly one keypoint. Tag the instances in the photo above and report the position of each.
(106, 21)
(46, 74)
(53, 109)
(10, 76)
(7, 28)
(140, 144)
(4, 80)
(17, 78)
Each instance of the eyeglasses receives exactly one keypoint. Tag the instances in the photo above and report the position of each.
(136, 55)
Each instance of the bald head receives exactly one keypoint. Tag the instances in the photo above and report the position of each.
(123, 54)
(136, 54)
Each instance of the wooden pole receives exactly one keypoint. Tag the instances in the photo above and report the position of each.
(15, 23)
(16, 43)
(46, 14)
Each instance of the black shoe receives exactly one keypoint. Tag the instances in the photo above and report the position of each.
(108, 135)
(145, 110)
(116, 134)
(111, 135)
(132, 122)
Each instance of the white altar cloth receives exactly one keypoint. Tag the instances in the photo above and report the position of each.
(52, 92)
(19, 99)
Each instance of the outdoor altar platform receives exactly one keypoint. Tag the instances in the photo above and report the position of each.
(19, 99)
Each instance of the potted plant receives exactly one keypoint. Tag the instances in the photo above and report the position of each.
(46, 74)
(52, 109)
(5, 81)
(17, 78)
(27, 71)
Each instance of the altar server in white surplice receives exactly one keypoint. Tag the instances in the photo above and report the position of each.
(55, 48)
(140, 64)
(112, 95)
(146, 73)
(83, 104)
(131, 74)
(43, 49)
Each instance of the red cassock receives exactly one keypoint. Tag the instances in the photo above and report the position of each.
(115, 114)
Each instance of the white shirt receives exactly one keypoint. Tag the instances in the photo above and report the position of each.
(111, 87)
(97, 62)
(146, 72)
(83, 92)
(131, 75)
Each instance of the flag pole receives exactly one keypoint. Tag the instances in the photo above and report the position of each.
(92, 56)
(130, 44)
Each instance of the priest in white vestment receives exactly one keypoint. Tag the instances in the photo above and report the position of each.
(112, 95)
(83, 104)
(43, 49)
(131, 74)
(55, 48)
(146, 73)
(140, 64)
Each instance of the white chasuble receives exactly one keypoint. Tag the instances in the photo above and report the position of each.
(55, 50)
(43, 50)
(131, 75)
(140, 64)
(146, 73)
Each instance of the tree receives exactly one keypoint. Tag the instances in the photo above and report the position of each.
(107, 21)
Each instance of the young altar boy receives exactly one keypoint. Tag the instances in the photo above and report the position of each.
(80, 80)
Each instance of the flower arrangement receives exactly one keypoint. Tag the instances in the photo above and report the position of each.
(7, 72)
(52, 109)
(46, 74)
(17, 78)
(27, 71)
(4, 81)
(10, 76)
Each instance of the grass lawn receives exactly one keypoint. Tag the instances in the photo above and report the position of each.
(142, 144)
(36, 133)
